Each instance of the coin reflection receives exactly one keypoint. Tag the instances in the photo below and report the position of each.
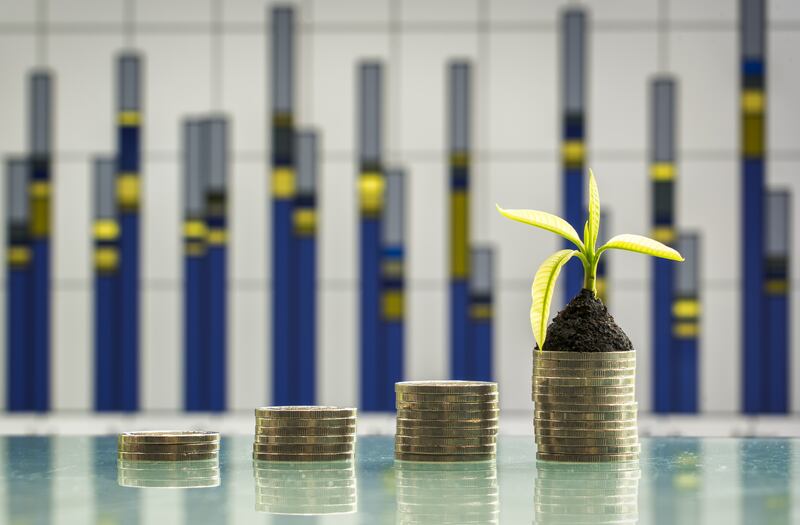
(305, 488)
(595, 493)
(168, 474)
(445, 493)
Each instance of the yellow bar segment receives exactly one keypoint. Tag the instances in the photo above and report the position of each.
(753, 101)
(216, 236)
(19, 255)
(393, 304)
(129, 118)
(305, 220)
(776, 286)
(128, 191)
(106, 230)
(459, 234)
(686, 330)
(106, 258)
(664, 234)
(194, 229)
(480, 311)
(572, 153)
(371, 188)
(662, 171)
(283, 183)
(686, 308)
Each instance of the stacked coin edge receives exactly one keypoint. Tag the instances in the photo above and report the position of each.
(168, 445)
(304, 433)
(584, 406)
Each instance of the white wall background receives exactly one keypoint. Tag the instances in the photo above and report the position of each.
(211, 55)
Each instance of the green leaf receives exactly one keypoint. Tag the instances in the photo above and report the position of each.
(542, 292)
(546, 221)
(640, 244)
(594, 213)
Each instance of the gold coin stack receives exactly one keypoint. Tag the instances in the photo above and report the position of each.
(304, 433)
(446, 421)
(168, 474)
(167, 445)
(587, 493)
(444, 494)
(307, 488)
(584, 407)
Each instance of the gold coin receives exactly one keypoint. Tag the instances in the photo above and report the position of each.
(565, 407)
(585, 433)
(540, 381)
(165, 456)
(345, 430)
(581, 390)
(601, 458)
(168, 436)
(445, 387)
(268, 456)
(305, 440)
(416, 432)
(458, 449)
(444, 406)
(335, 448)
(586, 442)
(452, 423)
(584, 400)
(445, 458)
(621, 415)
(583, 356)
(286, 422)
(590, 450)
(586, 425)
(590, 373)
(447, 398)
(177, 448)
(305, 412)
(440, 441)
(547, 364)
(440, 415)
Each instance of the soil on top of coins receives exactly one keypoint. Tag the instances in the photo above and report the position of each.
(585, 325)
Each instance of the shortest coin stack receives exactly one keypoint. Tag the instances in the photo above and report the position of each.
(304, 433)
(168, 445)
(446, 421)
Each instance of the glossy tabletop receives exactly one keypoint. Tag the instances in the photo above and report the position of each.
(677, 480)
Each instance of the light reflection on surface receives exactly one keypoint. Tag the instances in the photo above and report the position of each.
(305, 488)
(168, 474)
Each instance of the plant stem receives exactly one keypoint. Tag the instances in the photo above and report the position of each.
(590, 275)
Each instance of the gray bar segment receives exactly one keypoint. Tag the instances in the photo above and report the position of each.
(194, 174)
(574, 60)
(17, 191)
(605, 226)
(371, 102)
(663, 120)
(306, 144)
(41, 107)
(282, 60)
(460, 97)
(778, 211)
(752, 20)
(393, 212)
(216, 130)
(129, 82)
(482, 271)
(687, 274)
(105, 187)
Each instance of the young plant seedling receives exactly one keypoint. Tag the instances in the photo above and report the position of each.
(544, 281)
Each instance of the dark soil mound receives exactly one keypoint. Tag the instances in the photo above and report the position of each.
(585, 325)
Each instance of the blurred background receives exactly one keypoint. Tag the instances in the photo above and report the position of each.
(212, 205)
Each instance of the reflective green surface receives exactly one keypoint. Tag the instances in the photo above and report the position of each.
(726, 481)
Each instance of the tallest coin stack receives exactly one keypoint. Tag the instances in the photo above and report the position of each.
(584, 406)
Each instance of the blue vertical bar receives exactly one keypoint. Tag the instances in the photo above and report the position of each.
(40, 202)
(573, 74)
(128, 168)
(18, 262)
(216, 161)
(481, 314)
(106, 267)
(662, 177)
(305, 253)
(371, 187)
(460, 90)
(686, 326)
(195, 294)
(776, 290)
(285, 368)
(753, 85)
(392, 288)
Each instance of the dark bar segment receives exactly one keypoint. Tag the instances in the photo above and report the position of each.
(19, 274)
(285, 364)
(106, 284)
(393, 286)
(602, 264)
(573, 149)
(481, 314)
(305, 253)
(662, 176)
(460, 90)
(686, 325)
(41, 117)
(371, 187)
(777, 334)
(752, 19)
(129, 118)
